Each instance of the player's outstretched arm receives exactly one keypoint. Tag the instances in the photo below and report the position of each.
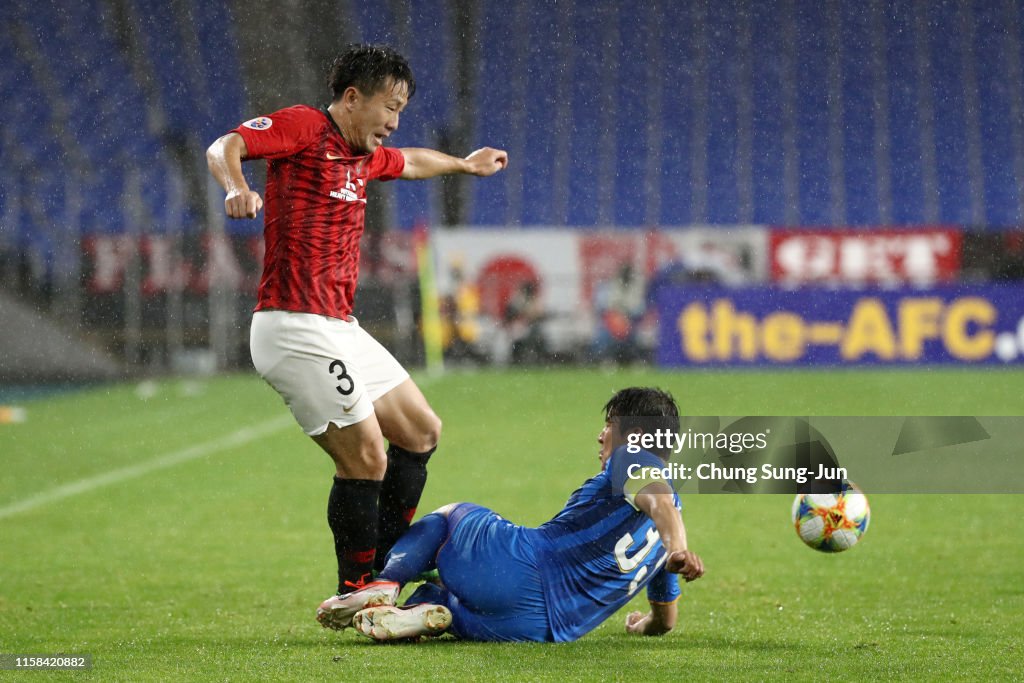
(224, 159)
(656, 501)
(423, 163)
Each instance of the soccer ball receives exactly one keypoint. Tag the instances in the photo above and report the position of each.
(831, 522)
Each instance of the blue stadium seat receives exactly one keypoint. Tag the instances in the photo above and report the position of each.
(160, 36)
(561, 54)
(584, 87)
(631, 153)
(376, 23)
(812, 113)
(993, 41)
(429, 55)
(676, 121)
(904, 115)
(489, 201)
(768, 75)
(545, 47)
(858, 129)
(221, 71)
(946, 56)
(723, 70)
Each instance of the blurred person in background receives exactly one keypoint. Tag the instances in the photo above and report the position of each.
(523, 322)
(620, 306)
(460, 315)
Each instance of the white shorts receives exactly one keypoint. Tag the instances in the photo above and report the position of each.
(326, 370)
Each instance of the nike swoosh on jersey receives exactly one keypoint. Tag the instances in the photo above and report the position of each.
(331, 157)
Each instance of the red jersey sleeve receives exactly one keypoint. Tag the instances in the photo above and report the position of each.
(282, 133)
(386, 163)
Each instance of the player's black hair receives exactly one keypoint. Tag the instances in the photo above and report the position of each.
(646, 408)
(368, 68)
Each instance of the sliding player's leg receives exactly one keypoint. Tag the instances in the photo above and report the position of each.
(492, 589)
(425, 612)
(489, 569)
(415, 551)
(418, 549)
(412, 620)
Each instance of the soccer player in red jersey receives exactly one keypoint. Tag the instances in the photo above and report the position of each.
(346, 390)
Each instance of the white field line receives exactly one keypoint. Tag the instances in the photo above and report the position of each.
(238, 438)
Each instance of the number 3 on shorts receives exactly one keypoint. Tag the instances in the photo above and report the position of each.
(342, 378)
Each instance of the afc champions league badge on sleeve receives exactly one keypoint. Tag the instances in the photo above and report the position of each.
(259, 123)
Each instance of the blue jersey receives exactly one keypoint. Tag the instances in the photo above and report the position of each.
(599, 551)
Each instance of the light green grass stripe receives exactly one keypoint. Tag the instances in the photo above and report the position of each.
(238, 438)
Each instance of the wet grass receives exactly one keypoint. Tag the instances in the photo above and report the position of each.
(209, 566)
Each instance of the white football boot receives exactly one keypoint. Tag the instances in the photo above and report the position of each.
(336, 612)
(399, 623)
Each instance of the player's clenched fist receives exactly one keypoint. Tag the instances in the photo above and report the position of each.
(635, 622)
(242, 203)
(686, 563)
(487, 161)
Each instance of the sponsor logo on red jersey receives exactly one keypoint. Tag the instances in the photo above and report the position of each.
(259, 123)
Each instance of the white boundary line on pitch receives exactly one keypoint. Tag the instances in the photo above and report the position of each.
(239, 438)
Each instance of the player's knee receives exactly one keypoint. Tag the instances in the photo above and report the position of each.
(363, 460)
(445, 510)
(369, 462)
(428, 433)
(433, 432)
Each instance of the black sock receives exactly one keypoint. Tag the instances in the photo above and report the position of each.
(399, 496)
(352, 512)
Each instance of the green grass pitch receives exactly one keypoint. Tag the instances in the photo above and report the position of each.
(189, 540)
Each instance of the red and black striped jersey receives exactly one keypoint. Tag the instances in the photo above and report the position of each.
(314, 208)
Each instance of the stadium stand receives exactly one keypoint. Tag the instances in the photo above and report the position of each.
(495, 78)
(632, 116)
(888, 112)
(107, 105)
(840, 114)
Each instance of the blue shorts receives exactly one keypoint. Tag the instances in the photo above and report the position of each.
(492, 585)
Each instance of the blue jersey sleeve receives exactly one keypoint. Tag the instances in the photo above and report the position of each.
(631, 472)
(664, 587)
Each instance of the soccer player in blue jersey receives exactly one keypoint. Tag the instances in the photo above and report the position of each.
(619, 532)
